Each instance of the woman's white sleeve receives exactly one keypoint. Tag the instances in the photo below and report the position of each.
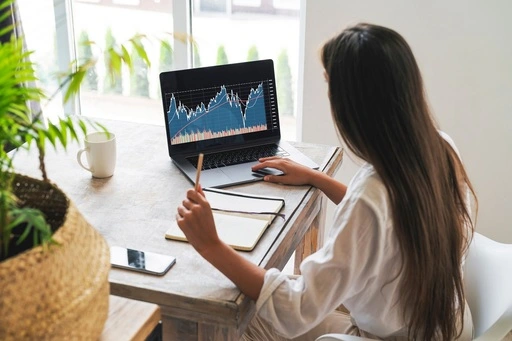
(342, 268)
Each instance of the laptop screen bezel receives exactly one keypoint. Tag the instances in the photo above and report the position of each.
(194, 78)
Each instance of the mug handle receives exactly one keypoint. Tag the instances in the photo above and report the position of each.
(79, 159)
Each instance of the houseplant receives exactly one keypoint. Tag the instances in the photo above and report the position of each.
(53, 264)
(50, 287)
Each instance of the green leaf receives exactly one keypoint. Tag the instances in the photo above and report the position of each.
(76, 80)
(40, 139)
(63, 128)
(8, 29)
(115, 62)
(82, 126)
(28, 139)
(141, 51)
(126, 57)
(25, 233)
(35, 239)
(68, 122)
(100, 126)
(58, 133)
(35, 222)
(6, 4)
(166, 45)
(18, 220)
(50, 135)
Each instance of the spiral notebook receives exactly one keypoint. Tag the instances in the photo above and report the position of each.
(241, 219)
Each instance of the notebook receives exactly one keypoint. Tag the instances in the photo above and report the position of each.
(229, 113)
(241, 219)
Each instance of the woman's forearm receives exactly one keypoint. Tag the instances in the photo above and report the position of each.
(247, 276)
(332, 188)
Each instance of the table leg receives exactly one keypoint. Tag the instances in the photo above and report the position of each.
(178, 329)
(213, 332)
(313, 239)
(183, 330)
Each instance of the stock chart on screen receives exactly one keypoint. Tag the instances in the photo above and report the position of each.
(215, 112)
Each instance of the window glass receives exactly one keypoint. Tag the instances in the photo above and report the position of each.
(230, 31)
(38, 25)
(135, 95)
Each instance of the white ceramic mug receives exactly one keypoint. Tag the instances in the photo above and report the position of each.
(100, 148)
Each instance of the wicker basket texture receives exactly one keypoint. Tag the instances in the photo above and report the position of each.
(61, 293)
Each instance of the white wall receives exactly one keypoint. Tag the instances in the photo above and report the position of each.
(464, 49)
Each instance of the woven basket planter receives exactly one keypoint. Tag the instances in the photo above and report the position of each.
(60, 293)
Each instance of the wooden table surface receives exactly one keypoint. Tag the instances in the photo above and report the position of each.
(130, 319)
(137, 204)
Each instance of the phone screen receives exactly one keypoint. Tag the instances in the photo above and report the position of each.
(143, 261)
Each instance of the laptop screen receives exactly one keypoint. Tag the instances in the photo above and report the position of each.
(206, 108)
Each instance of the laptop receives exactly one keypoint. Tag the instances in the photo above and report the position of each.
(229, 113)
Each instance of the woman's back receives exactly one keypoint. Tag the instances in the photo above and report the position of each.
(379, 107)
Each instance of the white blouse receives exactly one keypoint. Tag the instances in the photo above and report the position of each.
(358, 266)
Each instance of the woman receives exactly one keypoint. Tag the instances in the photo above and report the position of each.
(394, 253)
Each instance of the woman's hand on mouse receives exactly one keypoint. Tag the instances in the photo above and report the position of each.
(293, 172)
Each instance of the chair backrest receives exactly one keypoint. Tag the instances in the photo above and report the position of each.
(488, 281)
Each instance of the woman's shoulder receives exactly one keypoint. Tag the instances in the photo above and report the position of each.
(366, 181)
(366, 186)
(450, 141)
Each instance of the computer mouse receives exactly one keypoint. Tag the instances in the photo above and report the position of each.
(268, 171)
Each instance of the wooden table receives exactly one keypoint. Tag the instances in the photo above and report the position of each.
(135, 207)
(130, 320)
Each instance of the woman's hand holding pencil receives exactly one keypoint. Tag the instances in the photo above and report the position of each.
(195, 217)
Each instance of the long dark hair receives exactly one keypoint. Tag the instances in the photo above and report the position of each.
(380, 109)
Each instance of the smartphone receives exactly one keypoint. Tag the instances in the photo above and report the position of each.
(142, 261)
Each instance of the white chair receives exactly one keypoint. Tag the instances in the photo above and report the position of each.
(488, 288)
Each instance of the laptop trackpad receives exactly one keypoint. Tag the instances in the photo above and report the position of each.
(241, 172)
(213, 177)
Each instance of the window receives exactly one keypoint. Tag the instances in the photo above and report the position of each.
(221, 31)
(241, 30)
(41, 39)
(134, 95)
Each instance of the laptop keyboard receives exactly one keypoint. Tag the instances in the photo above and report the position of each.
(223, 159)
